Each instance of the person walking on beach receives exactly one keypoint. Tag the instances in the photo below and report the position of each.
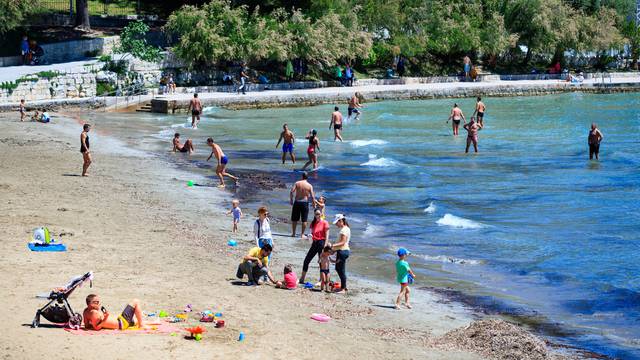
(84, 148)
(354, 106)
(403, 271)
(223, 160)
(342, 249)
(287, 146)
(319, 236)
(594, 139)
(196, 109)
(23, 110)
(312, 150)
(472, 134)
(455, 116)
(479, 111)
(243, 76)
(262, 228)
(300, 196)
(336, 123)
(177, 146)
(236, 212)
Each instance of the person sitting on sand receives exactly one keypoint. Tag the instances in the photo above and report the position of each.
(256, 265)
(222, 162)
(96, 317)
(177, 146)
(472, 134)
(290, 281)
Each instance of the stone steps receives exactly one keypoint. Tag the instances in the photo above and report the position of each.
(146, 107)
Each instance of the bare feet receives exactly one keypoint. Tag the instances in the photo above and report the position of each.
(303, 237)
(408, 306)
(85, 175)
(397, 306)
(221, 186)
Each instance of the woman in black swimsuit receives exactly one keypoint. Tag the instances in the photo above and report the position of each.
(84, 148)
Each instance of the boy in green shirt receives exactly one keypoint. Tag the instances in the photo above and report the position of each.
(403, 271)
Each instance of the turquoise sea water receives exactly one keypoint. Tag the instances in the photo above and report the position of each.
(529, 226)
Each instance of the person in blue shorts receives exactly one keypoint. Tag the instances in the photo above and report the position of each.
(403, 271)
(287, 146)
(223, 160)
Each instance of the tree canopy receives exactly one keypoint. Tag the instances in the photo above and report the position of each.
(13, 13)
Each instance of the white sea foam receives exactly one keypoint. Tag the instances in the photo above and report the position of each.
(450, 259)
(431, 208)
(186, 125)
(458, 222)
(372, 230)
(374, 161)
(361, 143)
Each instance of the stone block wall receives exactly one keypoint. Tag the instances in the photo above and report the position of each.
(60, 87)
(77, 49)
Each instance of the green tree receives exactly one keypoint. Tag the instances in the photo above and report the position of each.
(13, 12)
(133, 42)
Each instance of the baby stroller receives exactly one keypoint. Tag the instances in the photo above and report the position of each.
(58, 310)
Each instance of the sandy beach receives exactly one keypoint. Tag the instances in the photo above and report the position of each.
(169, 250)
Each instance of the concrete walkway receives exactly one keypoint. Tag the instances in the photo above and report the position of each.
(11, 73)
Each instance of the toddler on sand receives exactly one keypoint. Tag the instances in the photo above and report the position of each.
(403, 272)
(237, 214)
(290, 281)
(324, 261)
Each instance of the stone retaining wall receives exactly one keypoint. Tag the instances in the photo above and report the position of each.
(61, 87)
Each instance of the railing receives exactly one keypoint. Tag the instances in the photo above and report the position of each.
(96, 7)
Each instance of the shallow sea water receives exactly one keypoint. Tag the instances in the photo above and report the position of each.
(528, 226)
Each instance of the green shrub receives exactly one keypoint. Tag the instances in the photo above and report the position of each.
(49, 74)
(104, 89)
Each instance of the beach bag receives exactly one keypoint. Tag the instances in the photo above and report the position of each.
(42, 235)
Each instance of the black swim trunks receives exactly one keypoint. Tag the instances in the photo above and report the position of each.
(324, 271)
(300, 211)
(337, 126)
(195, 112)
(457, 122)
(352, 111)
(125, 320)
(184, 148)
(480, 114)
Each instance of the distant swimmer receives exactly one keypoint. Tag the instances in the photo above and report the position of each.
(84, 148)
(312, 150)
(300, 196)
(472, 134)
(222, 162)
(177, 146)
(456, 116)
(336, 123)
(287, 146)
(196, 109)
(595, 137)
(480, 108)
(354, 106)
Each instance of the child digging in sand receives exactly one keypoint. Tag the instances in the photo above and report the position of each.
(325, 276)
(237, 213)
(403, 271)
(290, 281)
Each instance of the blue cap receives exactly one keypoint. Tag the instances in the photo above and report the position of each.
(403, 252)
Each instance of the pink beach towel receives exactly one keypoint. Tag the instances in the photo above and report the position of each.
(160, 328)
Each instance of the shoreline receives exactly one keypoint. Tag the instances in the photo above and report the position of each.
(170, 273)
(179, 103)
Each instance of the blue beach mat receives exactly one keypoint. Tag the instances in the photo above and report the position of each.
(50, 247)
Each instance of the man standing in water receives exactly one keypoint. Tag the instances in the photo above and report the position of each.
(287, 147)
(472, 134)
(196, 109)
(456, 116)
(222, 162)
(302, 191)
(84, 148)
(354, 106)
(336, 122)
(479, 111)
(595, 136)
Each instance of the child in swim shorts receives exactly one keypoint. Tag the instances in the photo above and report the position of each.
(237, 213)
(403, 274)
(324, 261)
